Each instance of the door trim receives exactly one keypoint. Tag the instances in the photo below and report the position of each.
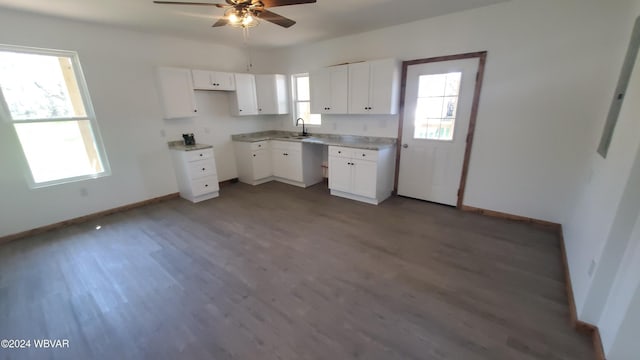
(482, 59)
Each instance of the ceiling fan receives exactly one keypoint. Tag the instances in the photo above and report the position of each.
(245, 13)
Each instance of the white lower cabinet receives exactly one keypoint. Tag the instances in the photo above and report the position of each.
(196, 174)
(363, 175)
(290, 162)
(296, 163)
(254, 162)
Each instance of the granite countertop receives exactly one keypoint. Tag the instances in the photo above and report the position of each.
(352, 141)
(180, 146)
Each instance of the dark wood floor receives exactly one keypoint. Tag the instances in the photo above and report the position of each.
(278, 272)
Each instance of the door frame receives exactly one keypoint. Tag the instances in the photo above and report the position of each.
(482, 59)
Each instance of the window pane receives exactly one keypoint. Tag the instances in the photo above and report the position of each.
(303, 110)
(315, 119)
(302, 88)
(432, 85)
(39, 86)
(453, 84)
(429, 107)
(59, 149)
(436, 106)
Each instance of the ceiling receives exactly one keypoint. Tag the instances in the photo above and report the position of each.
(322, 20)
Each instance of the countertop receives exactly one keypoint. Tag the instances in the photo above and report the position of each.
(180, 146)
(352, 141)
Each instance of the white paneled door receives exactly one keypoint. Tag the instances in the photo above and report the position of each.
(437, 112)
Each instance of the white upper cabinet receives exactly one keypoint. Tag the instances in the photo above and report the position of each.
(271, 92)
(176, 90)
(243, 100)
(374, 87)
(329, 90)
(213, 80)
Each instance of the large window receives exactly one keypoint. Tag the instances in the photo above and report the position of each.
(302, 100)
(44, 95)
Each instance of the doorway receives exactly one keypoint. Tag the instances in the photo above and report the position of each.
(439, 105)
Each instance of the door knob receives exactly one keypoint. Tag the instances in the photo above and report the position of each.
(405, 145)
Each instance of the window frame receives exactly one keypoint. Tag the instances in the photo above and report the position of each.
(90, 116)
(295, 101)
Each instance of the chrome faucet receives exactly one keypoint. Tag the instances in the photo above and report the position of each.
(304, 131)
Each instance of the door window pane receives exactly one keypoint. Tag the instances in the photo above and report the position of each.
(437, 106)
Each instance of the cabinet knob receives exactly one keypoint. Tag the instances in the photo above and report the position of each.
(260, 145)
(195, 110)
(240, 110)
(206, 185)
(363, 155)
(203, 169)
(201, 155)
(254, 155)
(339, 152)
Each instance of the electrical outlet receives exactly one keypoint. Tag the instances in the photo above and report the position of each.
(84, 192)
(334, 126)
(365, 128)
(163, 133)
(592, 267)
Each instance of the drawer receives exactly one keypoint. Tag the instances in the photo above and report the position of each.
(259, 145)
(364, 154)
(286, 145)
(198, 154)
(204, 185)
(340, 152)
(201, 168)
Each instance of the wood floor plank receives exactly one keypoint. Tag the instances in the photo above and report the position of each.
(279, 272)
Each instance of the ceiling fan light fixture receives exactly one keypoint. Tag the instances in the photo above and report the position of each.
(241, 18)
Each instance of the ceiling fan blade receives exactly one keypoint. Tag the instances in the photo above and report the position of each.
(188, 3)
(274, 3)
(275, 18)
(221, 22)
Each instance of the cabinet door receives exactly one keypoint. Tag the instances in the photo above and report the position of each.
(319, 90)
(340, 174)
(202, 80)
(245, 95)
(384, 87)
(279, 162)
(364, 178)
(271, 91)
(294, 165)
(339, 92)
(176, 90)
(359, 88)
(261, 162)
(223, 81)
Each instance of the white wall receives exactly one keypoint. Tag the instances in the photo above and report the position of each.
(600, 215)
(119, 68)
(622, 304)
(548, 80)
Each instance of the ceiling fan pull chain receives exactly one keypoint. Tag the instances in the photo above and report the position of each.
(245, 36)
